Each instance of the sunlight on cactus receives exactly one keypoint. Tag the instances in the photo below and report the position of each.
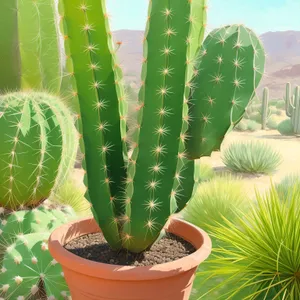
(133, 197)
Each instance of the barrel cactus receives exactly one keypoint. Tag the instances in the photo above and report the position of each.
(30, 46)
(132, 199)
(38, 147)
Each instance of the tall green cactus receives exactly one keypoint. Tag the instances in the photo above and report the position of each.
(265, 108)
(132, 201)
(29, 46)
(292, 104)
(38, 147)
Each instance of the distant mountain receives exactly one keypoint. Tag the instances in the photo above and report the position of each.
(282, 48)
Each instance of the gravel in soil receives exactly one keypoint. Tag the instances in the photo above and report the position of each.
(94, 247)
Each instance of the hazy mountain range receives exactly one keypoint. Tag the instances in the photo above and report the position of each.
(283, 58)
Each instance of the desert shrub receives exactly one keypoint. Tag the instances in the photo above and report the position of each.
(286, 186)
(286, 127)
(279, 112)
(255, 116)
(203, 171)
(272, 123)
(260, 251)
(215, 199)
(71, 194)
(272, 110)
(251, 157)
(241, 126)
(280, 104)
(252, 125)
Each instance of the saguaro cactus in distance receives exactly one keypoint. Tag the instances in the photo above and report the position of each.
(292, 101)
(132, 201)
(265, 108)
(38, 147)
(29, 46)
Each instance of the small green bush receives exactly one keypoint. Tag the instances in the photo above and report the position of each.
(280, 104)
(255, 116)
(279, 112)
(241, 126)
(287, 185)
(272, 123)
(286, 127)
(251, 157)
(203, 171)
(220, 197)
(253, 126)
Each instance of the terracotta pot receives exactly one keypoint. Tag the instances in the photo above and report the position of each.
(89, 280)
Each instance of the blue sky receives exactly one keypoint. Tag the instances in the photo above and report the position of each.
(260, 15)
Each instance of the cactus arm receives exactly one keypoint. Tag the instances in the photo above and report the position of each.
(296, 123)
(9, 50)
(265, 108)
(184, 181)
(230, 68)
(81, 19)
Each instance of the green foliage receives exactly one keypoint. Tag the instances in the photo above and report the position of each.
(251, 157)
(255, 116)
(252, 126)
(156, 176)
(280, 104)
(286, 127)
(27, 264)
(272, 123)
(241, 126)
(38, 147)
(262, 250)
(29, 46)
(203, 171)
(286, 187)
(215, 199)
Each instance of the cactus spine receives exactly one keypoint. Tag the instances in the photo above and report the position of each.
(29, 44)
(38, 147)
(265, 108)
(132, 202)
(292, 104)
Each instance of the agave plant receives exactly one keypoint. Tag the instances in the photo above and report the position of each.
(260, 250)
(191, 95)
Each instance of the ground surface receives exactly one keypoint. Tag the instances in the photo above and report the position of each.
(289, 147)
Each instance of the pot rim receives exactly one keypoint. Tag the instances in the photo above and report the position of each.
(200, 240)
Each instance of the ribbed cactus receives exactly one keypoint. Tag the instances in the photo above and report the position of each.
(26, 261)
(265, 108)
(292, 101)
(38, 147)
(230, 67)
(29, 46)
(132, 201)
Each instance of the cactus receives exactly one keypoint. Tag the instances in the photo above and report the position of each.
(292, 105)
(132, 201)
(30, 45)
(231, 65)
(265, 108)
(26, 260)
(39, 144)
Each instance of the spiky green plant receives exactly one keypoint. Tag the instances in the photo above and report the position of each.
(26, 267)
(265, 108)
(293, 107)
(251, 157)
(287, 184)
(203, 171)
(272, 123)
(262, 255)
(132, 201)
(38, 147)
(29, 46)
(215, 199)
(252, 126)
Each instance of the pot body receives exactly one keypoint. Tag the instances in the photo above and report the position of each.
(88, 280)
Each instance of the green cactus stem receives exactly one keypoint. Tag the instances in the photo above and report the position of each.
(133, 201)
(38, 148)
(29, 42)
(265, 108)
(230, 67)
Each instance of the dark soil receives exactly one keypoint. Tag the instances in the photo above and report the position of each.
(94, 247)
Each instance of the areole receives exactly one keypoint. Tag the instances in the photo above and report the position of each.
(91, 280)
